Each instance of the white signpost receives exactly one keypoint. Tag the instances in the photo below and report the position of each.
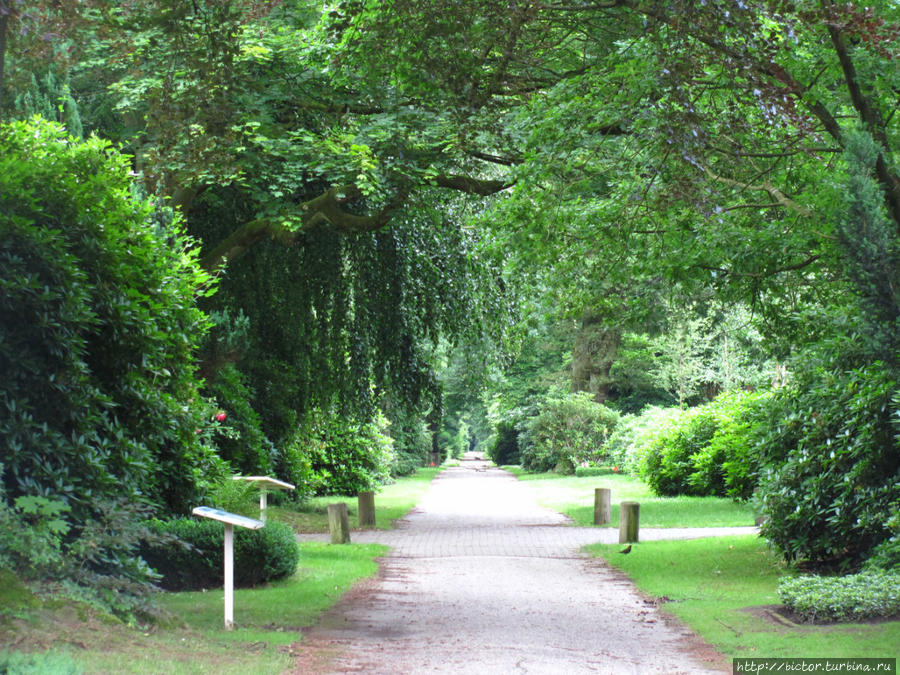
(265, 483)
(230, 520)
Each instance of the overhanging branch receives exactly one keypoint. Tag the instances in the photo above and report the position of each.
(323, 209)
(473, 186)
(327, 209)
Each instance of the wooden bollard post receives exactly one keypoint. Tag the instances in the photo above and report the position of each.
(629, 517)
(602, 512)
(366, 500)
(339, 523)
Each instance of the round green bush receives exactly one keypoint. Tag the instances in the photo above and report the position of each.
(192, 556)
(669, 467)
(566, 432)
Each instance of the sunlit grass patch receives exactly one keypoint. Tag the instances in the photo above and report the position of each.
(725, 588)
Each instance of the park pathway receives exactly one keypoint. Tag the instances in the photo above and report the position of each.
(480, 579)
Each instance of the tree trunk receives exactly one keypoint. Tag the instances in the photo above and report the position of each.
(4, 23)
(596, 346)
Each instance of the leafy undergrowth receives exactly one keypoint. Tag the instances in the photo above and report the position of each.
(869, 594)
(69, 638)
(725, 588)
(574, 496)
(392, 502)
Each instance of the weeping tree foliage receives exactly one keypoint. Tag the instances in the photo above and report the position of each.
(345, 321)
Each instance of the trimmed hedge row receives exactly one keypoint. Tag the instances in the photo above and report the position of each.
(192, 558)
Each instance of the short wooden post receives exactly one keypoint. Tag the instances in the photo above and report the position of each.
(629, 517)
(366, 501)
(602, 511)
(339, 523)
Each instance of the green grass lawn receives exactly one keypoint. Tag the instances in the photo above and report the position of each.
(721, 586)
(574, 496)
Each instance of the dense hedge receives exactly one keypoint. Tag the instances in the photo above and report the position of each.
(832, 466)
(707, 450)
(504, 448)
(345, 456)
(259, 555)
(98, 329)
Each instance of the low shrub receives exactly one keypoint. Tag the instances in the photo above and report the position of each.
(191, 558)
(567, 431)
(586, 471)
(346, 456)
(855, 597)
(31, 536)
(46, 663)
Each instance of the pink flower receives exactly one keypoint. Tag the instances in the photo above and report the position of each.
(220, 416)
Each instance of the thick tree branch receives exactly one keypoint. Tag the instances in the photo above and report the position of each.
(768, 273)
(324, 209)
(497, 159)
(774, 192)
(870, 116)
(327, 209)
(473, 186)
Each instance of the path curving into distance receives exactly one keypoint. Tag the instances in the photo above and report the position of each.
(480, 579)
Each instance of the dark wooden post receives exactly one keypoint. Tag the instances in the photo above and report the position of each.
(366, 501)
(339, 523)
(602, 512)
(629, 517)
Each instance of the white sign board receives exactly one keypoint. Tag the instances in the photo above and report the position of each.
(228, 517)
(265, 483)
(230, 520)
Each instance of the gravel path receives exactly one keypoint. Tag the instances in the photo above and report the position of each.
(480, 579)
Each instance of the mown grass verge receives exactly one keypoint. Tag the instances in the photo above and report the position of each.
(725, 588)
(574, 496)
